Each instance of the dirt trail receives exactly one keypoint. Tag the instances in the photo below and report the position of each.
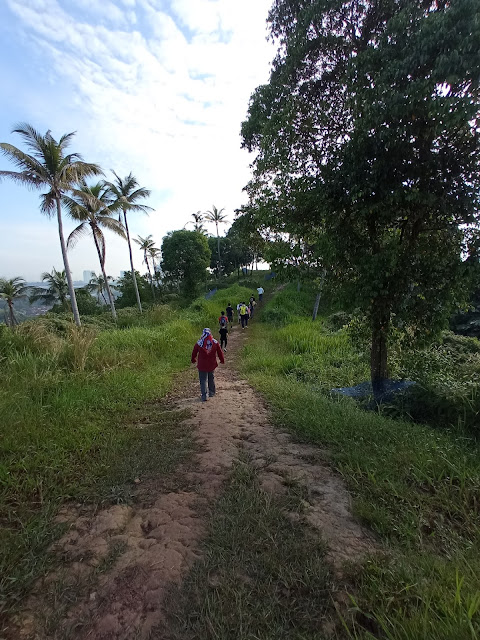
(121, 561)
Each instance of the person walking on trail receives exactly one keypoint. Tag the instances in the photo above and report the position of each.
(244, 314)
(229, 311)
(260, 291)
(251, 306)
(207, 349)
(223, 324)
(238, 312)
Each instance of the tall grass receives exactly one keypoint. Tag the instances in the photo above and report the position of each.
(417, 487)
(68, 397)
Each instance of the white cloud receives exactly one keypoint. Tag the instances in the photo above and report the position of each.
(161, 95)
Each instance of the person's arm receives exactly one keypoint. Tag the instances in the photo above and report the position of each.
(194, 353)
(220, 353)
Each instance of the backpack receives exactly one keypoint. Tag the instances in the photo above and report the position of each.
(243, 310)
(223, 322)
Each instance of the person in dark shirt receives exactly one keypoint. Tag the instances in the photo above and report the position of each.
(223, 324)
(229, 311)
(207, 349)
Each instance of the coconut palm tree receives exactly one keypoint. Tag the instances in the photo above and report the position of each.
(92, 207)
(49, 166)
(147, 245)
(11, 290)
(197, 222)
(154, 253)
(126, 193)
(217, 216)
(57, 289)
(99, 284)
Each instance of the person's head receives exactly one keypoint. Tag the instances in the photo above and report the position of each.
(229, 304)
(222, 313)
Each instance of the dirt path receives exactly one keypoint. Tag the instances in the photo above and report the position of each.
(119, 563)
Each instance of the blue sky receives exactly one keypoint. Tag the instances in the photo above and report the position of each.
(156, 87)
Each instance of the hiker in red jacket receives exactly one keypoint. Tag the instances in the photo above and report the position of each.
(207, 350)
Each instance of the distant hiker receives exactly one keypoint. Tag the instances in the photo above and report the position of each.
(207, 349)
(223, 324)
(251, 306)
(238, 311)
(244, 314)
(223, 320)
(260, 291)
(229, 311)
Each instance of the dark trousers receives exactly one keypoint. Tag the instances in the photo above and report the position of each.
(207, 376)
(244, 320)
(260, 296)
(223, 340)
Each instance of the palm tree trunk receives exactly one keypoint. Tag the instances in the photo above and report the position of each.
(135, 286)
(219, 259)
(150, 275)
(13, 320)
(71, 290)
(107, 286)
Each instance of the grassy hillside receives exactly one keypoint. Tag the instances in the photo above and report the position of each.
(415, 485)
(69, 400)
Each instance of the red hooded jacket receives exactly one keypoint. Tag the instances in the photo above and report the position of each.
(207, 359)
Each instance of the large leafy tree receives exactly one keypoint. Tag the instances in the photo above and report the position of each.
(48, 165)
(218, 217)
(127, 290)
(371, 119)
(11, 290)
(186, 256)
(147, 245)
(126, 194)
(56, 289)
(92, 207)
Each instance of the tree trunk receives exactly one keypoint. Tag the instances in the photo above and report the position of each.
(319, 295)
(150, 274)
(316, 305)
(219, 258)
(13, 320)
(107, 286)
(379, 350)
(135, 286)
(71, 290)
(299, 285)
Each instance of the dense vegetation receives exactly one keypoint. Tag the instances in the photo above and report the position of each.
(415, 485)
(367, 157)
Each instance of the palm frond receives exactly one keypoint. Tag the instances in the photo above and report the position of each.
(31, 137)
(112, 224)
(48, 203)
(65, 140)
(22, 177)
(79, 232)
(97, 232)
(24, 161)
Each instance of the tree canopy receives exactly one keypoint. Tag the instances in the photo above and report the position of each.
(367, 135)
(186, 256)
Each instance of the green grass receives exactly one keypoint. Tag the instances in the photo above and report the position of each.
(69, 401)
(417, 487)
(261, 575)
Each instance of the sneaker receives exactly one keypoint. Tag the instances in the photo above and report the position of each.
(210, 395)
(225, 350)
(204, 398)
